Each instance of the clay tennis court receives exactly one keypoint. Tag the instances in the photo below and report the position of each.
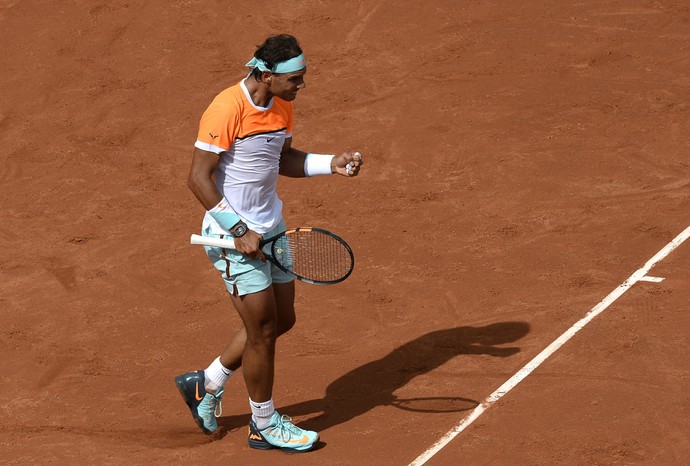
(522, 161)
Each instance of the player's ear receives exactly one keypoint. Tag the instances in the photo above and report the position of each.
(266, 76)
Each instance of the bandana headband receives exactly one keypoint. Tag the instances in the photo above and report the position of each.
(288, 66)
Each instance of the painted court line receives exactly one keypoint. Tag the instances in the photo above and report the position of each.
(652, 279)
(639, 275)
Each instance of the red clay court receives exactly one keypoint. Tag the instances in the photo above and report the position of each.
(523, 160)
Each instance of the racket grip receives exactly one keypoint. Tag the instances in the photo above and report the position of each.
(214, 242)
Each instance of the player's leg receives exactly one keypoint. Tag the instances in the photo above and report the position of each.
(260, 318)
(231, 357)
(230, 360)
(202, 390)
(278, 431)
(253, 346)
(285, 306)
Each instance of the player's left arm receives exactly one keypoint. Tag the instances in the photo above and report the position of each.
(295, 163)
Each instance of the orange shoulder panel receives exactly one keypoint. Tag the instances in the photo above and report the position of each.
(220, 123)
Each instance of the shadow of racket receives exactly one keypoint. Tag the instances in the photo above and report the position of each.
(435, 404)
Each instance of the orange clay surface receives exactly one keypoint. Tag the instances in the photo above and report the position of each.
(522, 159)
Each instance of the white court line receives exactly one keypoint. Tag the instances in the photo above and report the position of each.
(651, 279)
(639, 275)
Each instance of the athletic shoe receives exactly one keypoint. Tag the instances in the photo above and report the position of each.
(283, 434)
(205, 406)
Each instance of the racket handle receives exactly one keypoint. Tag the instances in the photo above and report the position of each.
(214, 242)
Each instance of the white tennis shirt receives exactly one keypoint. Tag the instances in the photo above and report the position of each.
(248, 139)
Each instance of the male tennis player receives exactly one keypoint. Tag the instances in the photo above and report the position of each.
(244, 143)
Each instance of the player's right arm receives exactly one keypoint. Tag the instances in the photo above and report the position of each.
(200, 178)
(200, 182)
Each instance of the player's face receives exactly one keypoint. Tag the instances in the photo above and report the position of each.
(287, 85)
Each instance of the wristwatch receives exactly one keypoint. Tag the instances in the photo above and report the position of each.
(239, 229)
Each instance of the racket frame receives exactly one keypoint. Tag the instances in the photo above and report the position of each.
(229, 243)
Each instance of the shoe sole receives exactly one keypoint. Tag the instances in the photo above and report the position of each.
(267, 446)
(179, 381)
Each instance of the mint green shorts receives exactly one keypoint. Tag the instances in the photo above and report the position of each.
(241, 274)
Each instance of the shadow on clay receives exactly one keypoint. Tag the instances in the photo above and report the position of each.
(375, 383)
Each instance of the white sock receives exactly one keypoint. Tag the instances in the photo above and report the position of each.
(216, 375)
(262, 413)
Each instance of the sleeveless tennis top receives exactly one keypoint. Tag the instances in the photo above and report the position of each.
(249, 140)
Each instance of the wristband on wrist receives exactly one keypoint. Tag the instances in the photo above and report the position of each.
(318, 164)
(224, 215)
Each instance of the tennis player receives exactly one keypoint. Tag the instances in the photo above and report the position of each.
(244, 143)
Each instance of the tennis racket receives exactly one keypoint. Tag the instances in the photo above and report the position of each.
(311, 255)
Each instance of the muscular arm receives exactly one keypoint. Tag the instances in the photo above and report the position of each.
(200, 182)
(292, 161)
(200, 178)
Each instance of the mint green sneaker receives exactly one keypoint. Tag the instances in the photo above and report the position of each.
(283, 434)
(205, 406)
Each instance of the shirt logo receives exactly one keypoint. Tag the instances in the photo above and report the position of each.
(212, 136)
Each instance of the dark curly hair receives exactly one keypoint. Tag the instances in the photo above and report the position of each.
(275, 49)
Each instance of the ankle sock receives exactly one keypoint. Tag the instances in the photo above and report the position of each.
(216, 375)
(262, 413)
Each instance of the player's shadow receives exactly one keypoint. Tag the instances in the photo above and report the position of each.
(374, 383)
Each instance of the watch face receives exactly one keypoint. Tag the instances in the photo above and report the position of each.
(239, 230)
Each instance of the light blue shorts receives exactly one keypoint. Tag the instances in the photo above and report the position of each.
(241, 274)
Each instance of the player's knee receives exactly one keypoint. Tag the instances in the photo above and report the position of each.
(264, 335)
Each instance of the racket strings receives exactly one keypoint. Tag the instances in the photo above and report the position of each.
(314, 255)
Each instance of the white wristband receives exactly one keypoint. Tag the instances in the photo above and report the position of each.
(318, 164)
